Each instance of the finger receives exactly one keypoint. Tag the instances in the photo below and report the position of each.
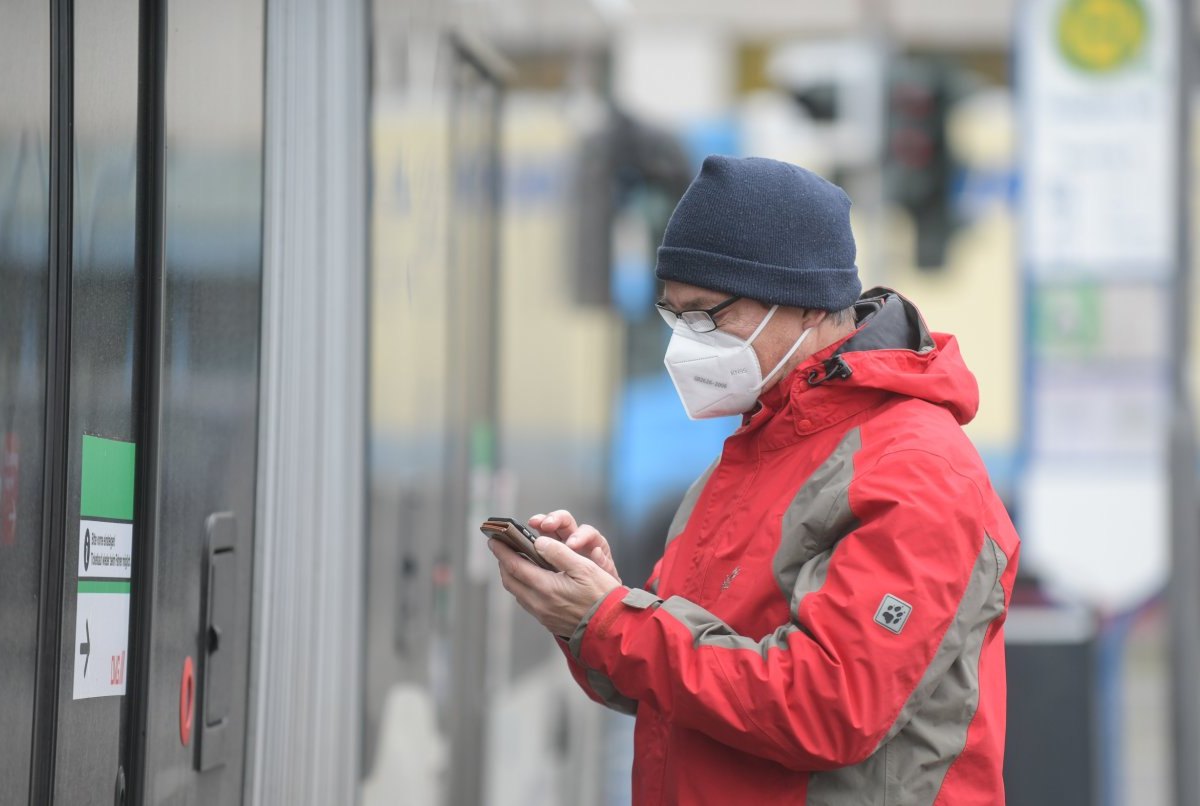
(516, 586)
(533, 598)
(604, 559)
(538, 524)
(500, 549)
(514, 564)
(527, 597)
(506, 559)
(561, 557)
(560, 522)
(527, 572)
(585, 538)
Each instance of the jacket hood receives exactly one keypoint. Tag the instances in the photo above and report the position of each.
(892, 352)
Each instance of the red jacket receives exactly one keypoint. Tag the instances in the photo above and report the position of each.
(825, 625)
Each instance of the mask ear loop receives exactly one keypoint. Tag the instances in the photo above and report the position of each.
(784, 360)
(762, 324)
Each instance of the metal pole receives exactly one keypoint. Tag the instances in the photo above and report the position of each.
(876, 26)
(1184, 585)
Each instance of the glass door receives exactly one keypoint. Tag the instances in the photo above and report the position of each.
(98, 445)
(24, 293)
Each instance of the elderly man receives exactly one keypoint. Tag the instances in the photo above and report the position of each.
(825, 624)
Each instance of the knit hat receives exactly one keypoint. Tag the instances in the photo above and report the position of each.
(766, 230)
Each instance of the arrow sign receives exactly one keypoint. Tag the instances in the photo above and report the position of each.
(85, 648)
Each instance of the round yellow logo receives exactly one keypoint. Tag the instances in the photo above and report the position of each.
(1101, 35)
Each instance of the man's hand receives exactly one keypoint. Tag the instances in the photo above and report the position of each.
(583, 540)
(558, 600)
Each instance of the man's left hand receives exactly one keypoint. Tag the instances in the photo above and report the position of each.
(558, 600)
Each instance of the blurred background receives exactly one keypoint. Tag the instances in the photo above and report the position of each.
(1017, 169)
(353, 277)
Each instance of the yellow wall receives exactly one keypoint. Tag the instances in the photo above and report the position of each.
(559, 358)
(976, 296)
(411, 153)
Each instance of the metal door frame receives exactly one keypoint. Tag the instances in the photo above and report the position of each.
(149, 250)
(468, 728)
(58, 365)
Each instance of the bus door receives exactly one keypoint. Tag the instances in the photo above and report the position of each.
(130, 261)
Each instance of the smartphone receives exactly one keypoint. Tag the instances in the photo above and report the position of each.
(517, 536)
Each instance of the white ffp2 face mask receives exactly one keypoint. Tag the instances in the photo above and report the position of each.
(717, 374)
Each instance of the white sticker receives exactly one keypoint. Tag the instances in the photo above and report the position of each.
(1094, 131)
(101, 639)
(102, 608)
(105, 549)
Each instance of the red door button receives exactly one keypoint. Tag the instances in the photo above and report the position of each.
(187, 701)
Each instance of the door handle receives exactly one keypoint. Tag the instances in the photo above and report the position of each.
(218, 624)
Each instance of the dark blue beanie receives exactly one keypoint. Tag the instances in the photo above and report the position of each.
(766, 230)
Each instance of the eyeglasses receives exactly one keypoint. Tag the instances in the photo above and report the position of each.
(697, 321)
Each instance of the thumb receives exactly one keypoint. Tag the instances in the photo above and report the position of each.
(557, 554)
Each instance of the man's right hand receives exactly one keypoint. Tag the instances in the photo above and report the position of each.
(584, 540)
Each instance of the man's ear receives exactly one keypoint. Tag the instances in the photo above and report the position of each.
(813, 317)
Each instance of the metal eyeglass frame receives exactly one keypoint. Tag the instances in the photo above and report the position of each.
(698, 321)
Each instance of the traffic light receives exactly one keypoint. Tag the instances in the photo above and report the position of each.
(917, 164)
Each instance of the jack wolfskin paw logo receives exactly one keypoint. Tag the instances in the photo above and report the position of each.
(893, 613)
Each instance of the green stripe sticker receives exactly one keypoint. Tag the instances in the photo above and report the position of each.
(103, 586)
(106, 489)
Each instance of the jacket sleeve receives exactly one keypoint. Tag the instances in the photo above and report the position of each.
(595, 684)
(827, 688)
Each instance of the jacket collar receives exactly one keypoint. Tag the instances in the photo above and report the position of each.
(823, 390)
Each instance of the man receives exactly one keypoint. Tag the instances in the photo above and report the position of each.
(825, 624)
